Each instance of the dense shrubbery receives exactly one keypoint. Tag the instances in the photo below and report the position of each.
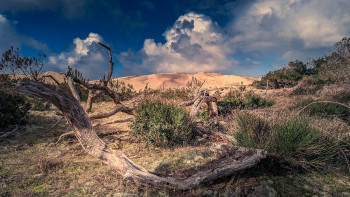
(333, 68)
(162, 125)
(287, 76)
(13, 109)
(249, 101)
(293, 143)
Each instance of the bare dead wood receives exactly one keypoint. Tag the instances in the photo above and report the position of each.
(239, 160)
(72, 87)
(64, 135)
(104, 81)
(53, 78)
(118, 108)
(203, 97)
(113, 122)
(47, 131)
(7, 134)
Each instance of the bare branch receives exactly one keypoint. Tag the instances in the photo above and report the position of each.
(50, 76)
(47, 131)
(118, 108)
(110, 67)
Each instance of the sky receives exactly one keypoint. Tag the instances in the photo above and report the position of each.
(239, 37)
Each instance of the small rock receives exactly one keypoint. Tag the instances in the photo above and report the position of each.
(39, 176)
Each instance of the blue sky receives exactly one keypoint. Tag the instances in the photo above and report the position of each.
(240, 37)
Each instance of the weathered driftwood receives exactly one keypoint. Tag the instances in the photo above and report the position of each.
(104, 81)
(239, 159)
(202, 98)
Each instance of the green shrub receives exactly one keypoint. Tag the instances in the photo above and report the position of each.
(287, 76)
(329, 110)
(182, 94)
(298, 144)
(299, 91)
(293, 143)
(162, 125)
(13, 109)
(252, 131)
(251, 101)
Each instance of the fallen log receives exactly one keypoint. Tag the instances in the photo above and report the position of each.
(239, 158)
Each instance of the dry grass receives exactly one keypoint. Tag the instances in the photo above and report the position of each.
(31, 164)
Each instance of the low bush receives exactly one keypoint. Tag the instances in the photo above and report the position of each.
(297, 144)
(329, 110)
(287, 76)
(13, 109)
(250, 101)
(182, 94)
(293, 143)
(162, 125)
(252, 131)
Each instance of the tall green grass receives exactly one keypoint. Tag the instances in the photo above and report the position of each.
(293, 143)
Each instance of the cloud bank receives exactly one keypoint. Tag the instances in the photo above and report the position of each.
(293, 28)
(260, 35)
(193, 44)
(85, 55)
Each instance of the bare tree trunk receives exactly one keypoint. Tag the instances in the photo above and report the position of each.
(202, 97)
(72, 88)
(238, 160)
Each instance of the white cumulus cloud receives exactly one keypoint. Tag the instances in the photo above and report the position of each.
(295, 28)
(193, 44)
(86, 56)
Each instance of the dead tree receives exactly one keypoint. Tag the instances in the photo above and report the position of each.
(202, 98)
(236, 158)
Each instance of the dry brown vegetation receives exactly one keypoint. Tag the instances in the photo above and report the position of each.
(305, 131)
(32, 163)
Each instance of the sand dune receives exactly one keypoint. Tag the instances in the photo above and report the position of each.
(175, 80)
(179, 79)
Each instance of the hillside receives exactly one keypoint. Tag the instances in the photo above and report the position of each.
(174, 80)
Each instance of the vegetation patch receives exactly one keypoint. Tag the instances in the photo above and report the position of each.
(250, 101)
(329, 110)
(13, 109)
(293, 143)
(182, 93)
(162, 125)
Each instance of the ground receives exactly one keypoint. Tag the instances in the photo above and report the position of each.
(32, 163)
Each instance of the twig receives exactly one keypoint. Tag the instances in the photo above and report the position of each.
(55, 80)
(112, 122)
(9, 133)
(63, 135)
(47, 131)
(346, 159)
